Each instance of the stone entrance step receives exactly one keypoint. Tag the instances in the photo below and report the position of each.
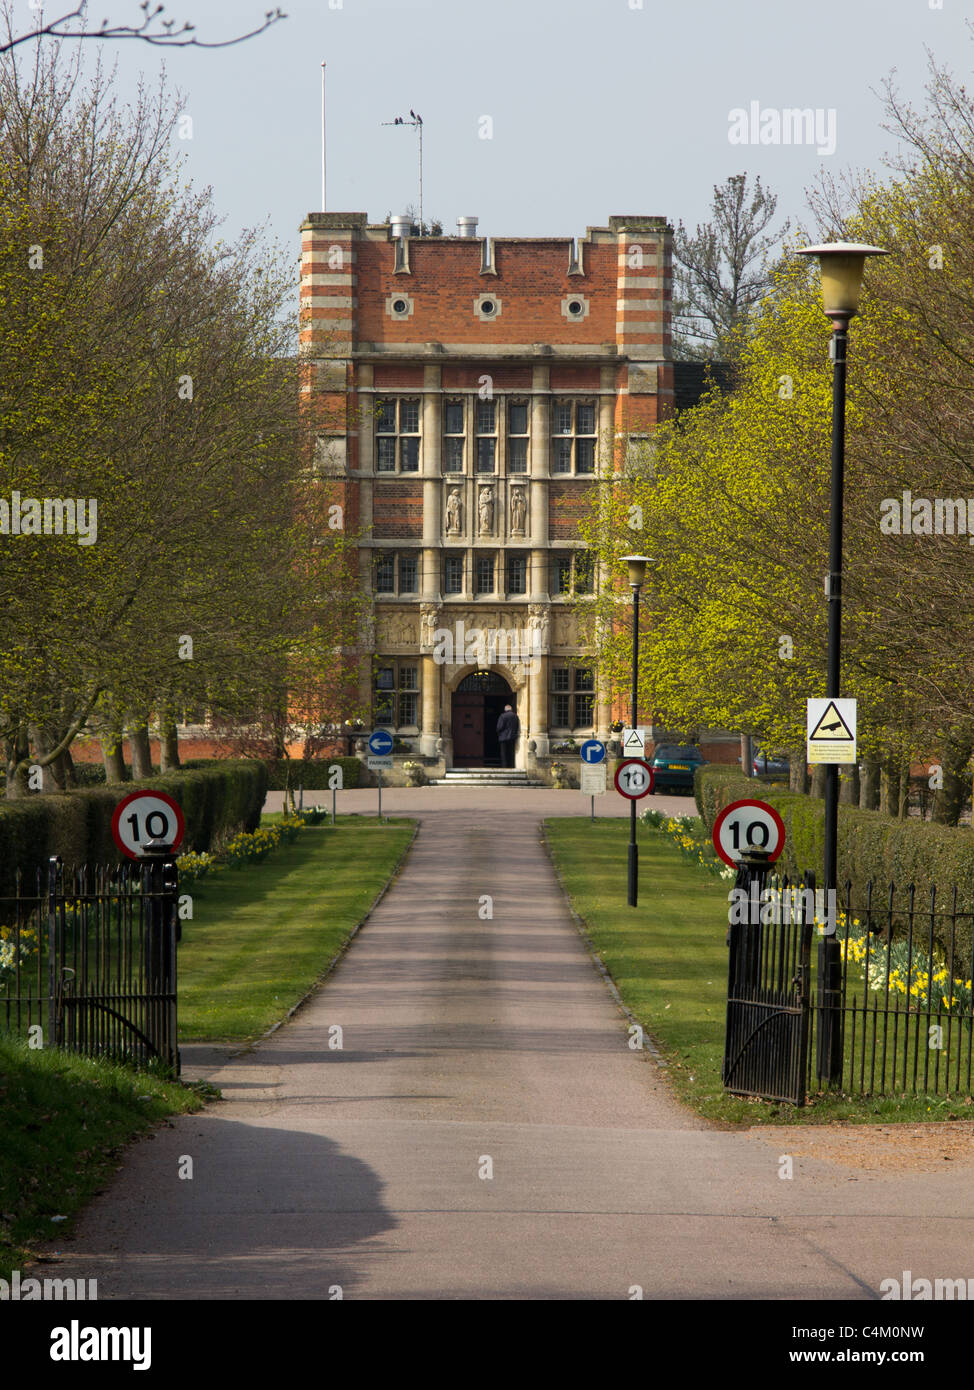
(485, 777)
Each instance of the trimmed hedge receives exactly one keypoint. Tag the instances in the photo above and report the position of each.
(871, 845)
(312, 773)
(77, 825)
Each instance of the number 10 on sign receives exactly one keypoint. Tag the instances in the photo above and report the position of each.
(634, 778)
(748, 825)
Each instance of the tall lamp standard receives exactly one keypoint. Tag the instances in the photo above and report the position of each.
(842, 264)
(637, 573)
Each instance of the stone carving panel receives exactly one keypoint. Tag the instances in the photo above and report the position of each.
(565, 630)
(397, 628)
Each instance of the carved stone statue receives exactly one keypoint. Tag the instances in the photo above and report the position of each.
(429, 621)
(518, 511)
(538, 623)
(454, 513)
(486, 509)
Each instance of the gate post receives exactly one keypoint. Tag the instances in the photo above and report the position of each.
(55, 983)
(829, 1056)
(752, 875)
(744, 940)
(162, 877)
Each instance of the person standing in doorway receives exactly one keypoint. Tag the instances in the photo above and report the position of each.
(508, 729)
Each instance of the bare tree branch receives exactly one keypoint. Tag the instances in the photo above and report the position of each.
(162, 34)
(721, 272)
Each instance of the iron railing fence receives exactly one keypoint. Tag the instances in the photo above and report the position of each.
(902, 1021)
(88, 959)
(906, 1006)
(23, 956)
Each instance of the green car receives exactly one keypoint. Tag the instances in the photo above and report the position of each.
(674, 765)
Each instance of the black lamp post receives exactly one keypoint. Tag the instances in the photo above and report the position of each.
(842, 264)
(637, 573)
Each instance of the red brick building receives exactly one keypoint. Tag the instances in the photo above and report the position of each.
(466, 393)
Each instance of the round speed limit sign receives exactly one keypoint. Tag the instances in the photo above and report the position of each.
(145, 816)
(746, 825)
(634, 778)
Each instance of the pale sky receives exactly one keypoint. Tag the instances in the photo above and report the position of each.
(595, 107)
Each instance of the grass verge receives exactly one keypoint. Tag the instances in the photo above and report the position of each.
(668, 959)
(263, 934)
(64, 1120)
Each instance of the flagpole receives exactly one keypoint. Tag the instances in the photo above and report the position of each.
(323, 139)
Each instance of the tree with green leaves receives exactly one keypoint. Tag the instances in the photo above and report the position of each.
(146, 368)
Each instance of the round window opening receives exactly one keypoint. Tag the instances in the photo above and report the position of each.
(487, 306)
(575, 307)
(400, 306)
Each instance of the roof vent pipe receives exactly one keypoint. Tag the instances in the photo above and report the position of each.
(467, 226)
(401, 226)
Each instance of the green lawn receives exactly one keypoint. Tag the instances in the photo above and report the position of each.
(669, 960)
(263, 934)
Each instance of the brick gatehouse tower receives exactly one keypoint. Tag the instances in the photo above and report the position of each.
(469, 391)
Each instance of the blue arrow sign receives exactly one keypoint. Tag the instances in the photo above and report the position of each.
(592, 751)
(380, 743)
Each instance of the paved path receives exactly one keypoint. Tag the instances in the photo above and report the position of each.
(473, 1046)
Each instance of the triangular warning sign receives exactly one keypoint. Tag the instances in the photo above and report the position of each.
(634, 740)
(831, 727)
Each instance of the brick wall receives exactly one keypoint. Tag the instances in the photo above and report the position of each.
(566, 377)
(445, 279)
(567, 501)
(504, 376)
(399, 375)
(397, 511)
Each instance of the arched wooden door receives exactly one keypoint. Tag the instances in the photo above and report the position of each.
(478, 702)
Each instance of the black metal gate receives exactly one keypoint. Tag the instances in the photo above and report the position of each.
(768, 985)
(92, 963)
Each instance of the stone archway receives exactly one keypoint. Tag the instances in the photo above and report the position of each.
(476, 704)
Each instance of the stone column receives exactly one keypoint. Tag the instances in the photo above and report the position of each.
(431, 707)
(432, 422)
(432, 483)
(538, 706)
(603, 714)
(539, 460)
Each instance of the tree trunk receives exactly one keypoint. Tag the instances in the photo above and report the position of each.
(889, 786)
(949, 799)
(141, 751)
(66, 764)
(849, 785)
(43, 743)
(798, 771)
(818, 780)
(747, 757)
(17, 751)
(113, 755)
(869, 785)
(168, 740)
(904, 806)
